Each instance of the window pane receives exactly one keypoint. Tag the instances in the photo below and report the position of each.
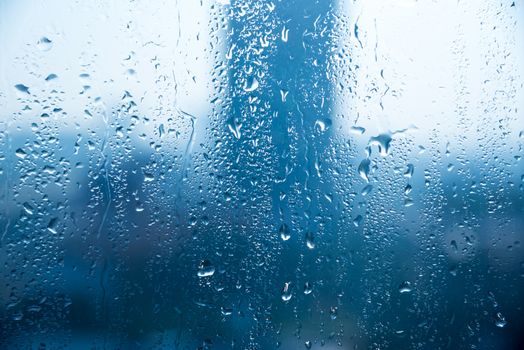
(223, 174)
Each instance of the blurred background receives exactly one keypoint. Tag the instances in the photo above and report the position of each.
(222, 174)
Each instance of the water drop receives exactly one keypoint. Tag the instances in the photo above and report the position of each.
(358, 130)
(308, 288)
(310, 240)
(285, 34)
(283, 95)
(148, 177)
(405, 287)
(284, 231)
(205, 269)
(286, 291)
(44, 44)
(500, 320)
(52, 225)
(22, 88)
(251, 84)
(383, 141)
(366, 190)
(333, 312)
(364, 168)
(226, 311)
(48, 169)
(358, 221)
(51, 76)
(20, 153)
(321, 125)
(409, 171)
(28, 208)
(234, 126)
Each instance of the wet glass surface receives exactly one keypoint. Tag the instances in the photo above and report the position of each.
(224, 174)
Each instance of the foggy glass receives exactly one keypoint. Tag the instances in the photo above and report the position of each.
(223, 174)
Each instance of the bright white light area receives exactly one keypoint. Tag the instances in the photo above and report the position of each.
(436, 65)
(157, 51)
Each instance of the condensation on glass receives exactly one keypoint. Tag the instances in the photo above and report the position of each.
(224, 174)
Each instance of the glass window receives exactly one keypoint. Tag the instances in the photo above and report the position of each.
(226, 174)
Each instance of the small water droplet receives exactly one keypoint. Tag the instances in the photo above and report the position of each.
(52, 225)
(234, 126)
(333, 312)
(18, 316)
(205, 269)
(286, 291)
(251, 84)
(28, 208)
(358, 221)
(310, 243)
(383, 141)
(283, 95)
(20, 153)
(22, 88)
(285, 34)
(51, 76)
(229, 54)
(366, 190)
(284, 231)
(148, 177)
(322, 125)
(48, 169)
(358, 130)
(405, 287)
(308, 288)
(226, 311)
(500, 320)
(364, 168)
(409, 171)
(44, 44)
